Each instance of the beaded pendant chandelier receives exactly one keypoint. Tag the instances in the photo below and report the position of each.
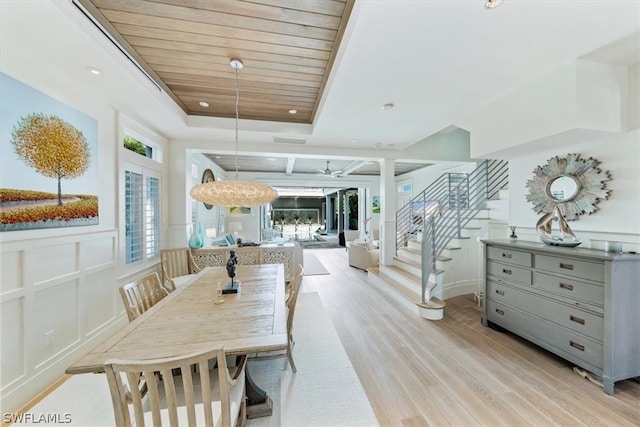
(234, 192)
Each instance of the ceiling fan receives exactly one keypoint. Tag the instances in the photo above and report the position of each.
(328, 172)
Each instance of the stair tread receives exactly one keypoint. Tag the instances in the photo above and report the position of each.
(417, 252)
(411, 250)
(410, 276)
(407, 293)
(411, 295)
(434, 304)
(408, 262)
(405, 273)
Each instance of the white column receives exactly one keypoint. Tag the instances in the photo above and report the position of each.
(387, 211)
(364, 198)
(179, 201)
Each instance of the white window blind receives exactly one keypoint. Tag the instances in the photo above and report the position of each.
(142, 215)
(133, 201)
(152, 217)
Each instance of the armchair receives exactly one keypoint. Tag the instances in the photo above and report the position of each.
(349, 237)
(363, 255)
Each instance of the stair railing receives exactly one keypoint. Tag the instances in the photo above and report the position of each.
(445, 207)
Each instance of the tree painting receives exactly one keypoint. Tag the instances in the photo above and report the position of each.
(51, 146)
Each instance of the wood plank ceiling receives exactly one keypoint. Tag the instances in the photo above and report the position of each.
(185, 46)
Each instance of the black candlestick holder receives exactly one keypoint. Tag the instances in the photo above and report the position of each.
(513, 232)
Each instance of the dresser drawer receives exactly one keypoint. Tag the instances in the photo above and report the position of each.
(570, 288)
(571, 267)
(509, 256)
(566, 343)
(586, 323)
(509, 272)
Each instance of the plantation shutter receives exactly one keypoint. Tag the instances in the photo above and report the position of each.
(152, 217)
(134, 225)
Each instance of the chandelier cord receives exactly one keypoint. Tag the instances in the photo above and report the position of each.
(237, 118)
(234, 192)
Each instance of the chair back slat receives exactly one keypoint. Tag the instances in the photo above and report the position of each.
(206, 390)
(170, 395)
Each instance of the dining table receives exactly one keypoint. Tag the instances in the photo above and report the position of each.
(189, 320)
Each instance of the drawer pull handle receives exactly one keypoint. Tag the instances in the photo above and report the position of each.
(499, 292)
(576, 319)
(566, 286)
(506, 255)
(505, 271)
(500, 312)
(576, 345)
(566, 266)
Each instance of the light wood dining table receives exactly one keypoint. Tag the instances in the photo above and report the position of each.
(188, 320)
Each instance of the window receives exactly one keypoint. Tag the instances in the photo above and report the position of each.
(405, 193)
(142, 215)
(140, 195)
(132, 144)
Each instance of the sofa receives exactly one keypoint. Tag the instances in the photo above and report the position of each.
(363, 255)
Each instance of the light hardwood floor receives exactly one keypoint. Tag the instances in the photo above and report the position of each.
(455, 371)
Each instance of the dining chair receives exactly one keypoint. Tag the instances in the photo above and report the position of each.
(177, 266)
(142, 294)
(197, 396)
(291, 299)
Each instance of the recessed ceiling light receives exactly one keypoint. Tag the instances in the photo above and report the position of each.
(270, 159)
(94, 71)
(387, 106)
(293, 111)
(203, 104)
(218, 157)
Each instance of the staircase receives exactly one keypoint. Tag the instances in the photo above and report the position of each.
(433, 234)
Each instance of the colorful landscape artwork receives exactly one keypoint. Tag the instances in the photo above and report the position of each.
(48, 161)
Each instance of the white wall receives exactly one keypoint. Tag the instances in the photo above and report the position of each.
(586, 108)
(617, 217)
(422, 178)
(577, 102)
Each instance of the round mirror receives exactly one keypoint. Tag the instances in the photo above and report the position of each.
(572, 184)
(563, 188)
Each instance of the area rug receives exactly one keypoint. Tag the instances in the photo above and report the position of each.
(312, 265)
(326, 390)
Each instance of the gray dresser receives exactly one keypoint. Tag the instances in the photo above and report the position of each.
(581, 304)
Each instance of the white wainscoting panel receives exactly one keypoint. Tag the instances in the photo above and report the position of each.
(53, 261)
(55, 308)
(13, 366)
(11, 275)
(97, 301)
(53, 282)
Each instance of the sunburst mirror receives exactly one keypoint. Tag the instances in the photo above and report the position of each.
(572, 184)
